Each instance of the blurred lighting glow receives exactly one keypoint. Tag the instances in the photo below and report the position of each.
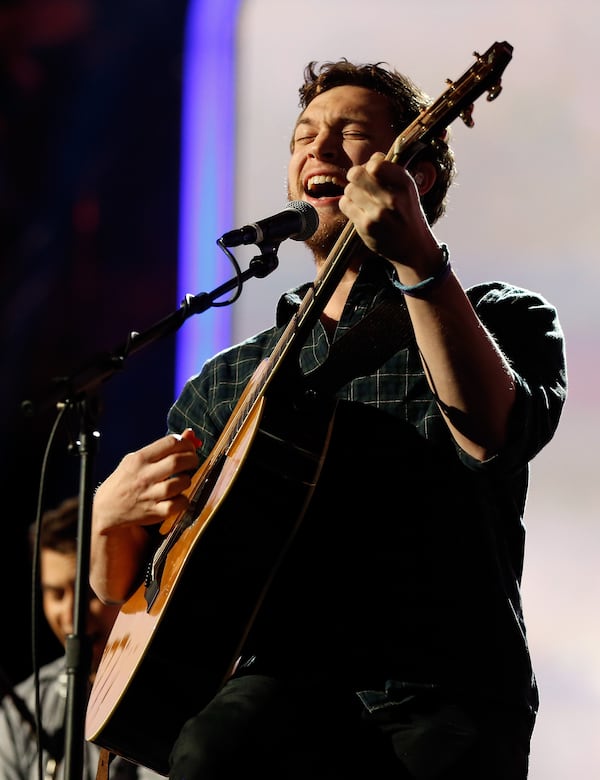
(207, 165)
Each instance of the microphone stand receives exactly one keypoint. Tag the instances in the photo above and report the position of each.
(73, 392)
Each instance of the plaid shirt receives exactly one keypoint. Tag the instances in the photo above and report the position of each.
(414, 574)
(525, 326)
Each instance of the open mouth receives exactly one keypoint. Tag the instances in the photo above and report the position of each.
(325, 187)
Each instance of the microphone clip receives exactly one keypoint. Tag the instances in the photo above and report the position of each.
(267, 261)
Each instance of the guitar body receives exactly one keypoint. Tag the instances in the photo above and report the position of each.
(163, 663)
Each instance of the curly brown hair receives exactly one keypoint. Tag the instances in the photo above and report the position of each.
(406, 101)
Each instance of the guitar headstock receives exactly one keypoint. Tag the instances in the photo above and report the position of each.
(458, 100)
(488, 70)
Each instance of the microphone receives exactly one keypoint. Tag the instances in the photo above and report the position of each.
(299, 220)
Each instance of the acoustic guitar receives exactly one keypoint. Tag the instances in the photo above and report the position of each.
(178, 637)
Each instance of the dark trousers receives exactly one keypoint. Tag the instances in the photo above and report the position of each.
(257, 725)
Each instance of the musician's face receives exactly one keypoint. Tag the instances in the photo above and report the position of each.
(57, 576)
(340, 128)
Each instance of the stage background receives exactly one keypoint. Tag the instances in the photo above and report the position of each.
(90, 191)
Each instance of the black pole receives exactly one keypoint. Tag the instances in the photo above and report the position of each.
(78, 648)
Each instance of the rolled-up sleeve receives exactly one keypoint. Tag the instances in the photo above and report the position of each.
(527, 329)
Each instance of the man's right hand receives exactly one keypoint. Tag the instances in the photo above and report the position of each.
(146, 488)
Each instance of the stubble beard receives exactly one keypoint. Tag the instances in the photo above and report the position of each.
(323, 240)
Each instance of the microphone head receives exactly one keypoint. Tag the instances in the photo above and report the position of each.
(309, 218)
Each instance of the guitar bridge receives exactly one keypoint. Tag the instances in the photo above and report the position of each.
(151, 584)
(151, 592)
(156, 565)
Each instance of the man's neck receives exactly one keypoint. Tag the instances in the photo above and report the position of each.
(335, 305)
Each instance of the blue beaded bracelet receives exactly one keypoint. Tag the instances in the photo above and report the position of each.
(422, 289)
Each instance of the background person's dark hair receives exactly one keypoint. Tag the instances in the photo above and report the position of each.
(58, 529)
(406, 101)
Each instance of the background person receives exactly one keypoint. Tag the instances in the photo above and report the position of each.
(18, 744)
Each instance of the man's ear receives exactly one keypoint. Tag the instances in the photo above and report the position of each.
(424, 174)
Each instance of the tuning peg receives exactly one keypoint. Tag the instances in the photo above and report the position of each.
(494, 92)
(467, 115)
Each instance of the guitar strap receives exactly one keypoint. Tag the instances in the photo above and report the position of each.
(103, 764)
(365, 347)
